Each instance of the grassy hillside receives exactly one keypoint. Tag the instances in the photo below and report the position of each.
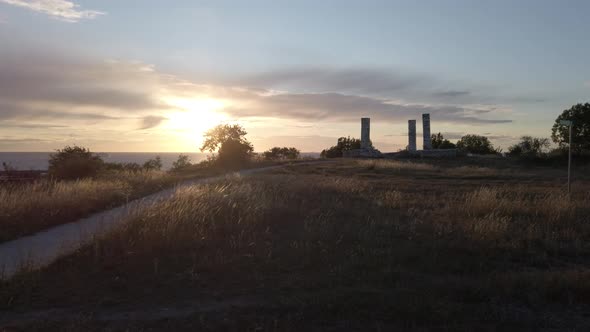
(31, 207)
(357, 245)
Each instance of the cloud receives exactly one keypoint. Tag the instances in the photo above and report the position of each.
(151, 121)
(20, 140)
(31, 125)
(66, 88)
(46, 90)
(69, 80)
(349, 108)
(451, 93)
(587, 84)
(16, 112)
(350, 80)
(378, 82)
(502, 137)
(63, 10)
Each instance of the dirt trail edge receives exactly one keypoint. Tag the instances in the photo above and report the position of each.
(41, 249)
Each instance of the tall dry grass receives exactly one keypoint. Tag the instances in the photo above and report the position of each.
(27, 208)
(396, 166)
(327, 247)
(518, 218)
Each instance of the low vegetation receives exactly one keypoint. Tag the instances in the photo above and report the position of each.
(530, 147)
(284, 153)
(353, 245)
(74, 162)
(343, 144)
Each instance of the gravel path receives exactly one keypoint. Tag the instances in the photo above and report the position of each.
(41, 249)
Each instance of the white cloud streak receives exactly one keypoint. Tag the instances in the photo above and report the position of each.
(62, 10)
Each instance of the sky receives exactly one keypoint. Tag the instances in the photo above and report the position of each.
(153, 76)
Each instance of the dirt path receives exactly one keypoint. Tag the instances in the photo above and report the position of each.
(41, 249)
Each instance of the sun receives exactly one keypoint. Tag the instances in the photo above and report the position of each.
(193, 118)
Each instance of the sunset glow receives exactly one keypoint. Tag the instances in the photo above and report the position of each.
(193, 118)
(276, 69)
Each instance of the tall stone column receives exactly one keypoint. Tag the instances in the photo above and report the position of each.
(412, 135)
(427, 145)
(365, 133)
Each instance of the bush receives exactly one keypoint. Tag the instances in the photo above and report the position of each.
(529, 147)
(127, 167)
(153, 164)
(476, 144)
(343, 144)
(73, 163)
(278, 153)
(181, 163)
(234, 154)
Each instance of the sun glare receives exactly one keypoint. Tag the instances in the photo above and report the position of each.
(193, 118)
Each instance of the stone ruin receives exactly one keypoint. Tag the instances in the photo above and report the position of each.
(368, 151)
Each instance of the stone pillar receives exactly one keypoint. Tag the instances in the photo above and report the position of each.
(427, 145)
(365, 133)
(412, 135)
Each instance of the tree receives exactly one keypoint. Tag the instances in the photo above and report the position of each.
(278, 153)
(439, 142)
(153, 164)
(74, 162)
(182, 162)
(343, 144)
(580, 115)
(476, 144)
(529, 147)
(233, 149)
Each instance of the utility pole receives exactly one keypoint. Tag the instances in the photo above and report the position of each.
(569, 123)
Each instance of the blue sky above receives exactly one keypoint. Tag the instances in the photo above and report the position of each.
(298, 71)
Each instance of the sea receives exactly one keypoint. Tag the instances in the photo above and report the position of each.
(26, 161)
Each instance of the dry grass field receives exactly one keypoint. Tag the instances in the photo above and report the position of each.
(31, 207)
(352, 245)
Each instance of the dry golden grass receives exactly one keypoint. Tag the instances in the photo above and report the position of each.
(343, 245)
(516, 217)
(395, 165)
(31, 207)
(399, 166)
(28, 208)
(473, 171)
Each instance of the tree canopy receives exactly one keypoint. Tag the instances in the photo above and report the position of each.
(580, 115)
(439, 142)
(233, 149)
(476, 144)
